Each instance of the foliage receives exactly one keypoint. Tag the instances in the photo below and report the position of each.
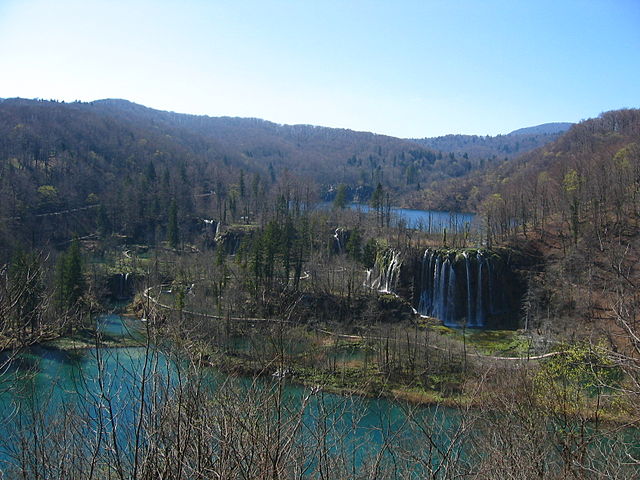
(172, 228)
(579, 369)
(340, 200)
(70, 283)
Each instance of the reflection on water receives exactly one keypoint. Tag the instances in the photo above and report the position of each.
(49, 380)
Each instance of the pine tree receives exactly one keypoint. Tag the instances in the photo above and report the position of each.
(74, 278)
(102, 222)
(172, 228)
(340, 200)
(377, 203)
(26, 290)
(70, 284)
(242, 186)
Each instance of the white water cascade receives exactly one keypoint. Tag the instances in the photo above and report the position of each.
(457, 287)
(386, 272)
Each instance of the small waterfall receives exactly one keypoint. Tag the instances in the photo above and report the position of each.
(339, 237)
(490, 297)
(385, 274)
(442, 297)
(120, 285)
(426, 280)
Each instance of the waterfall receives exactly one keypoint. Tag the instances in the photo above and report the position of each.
(442, 297)
(459, 287)
(454, 286)
(121, 286)
(479, 310)
(426, 280)
(490, 297)
(338, 241)
(450, 312)
(385, 274)
(467, 267)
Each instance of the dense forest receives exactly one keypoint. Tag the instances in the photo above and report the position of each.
(212, 234)
(488, 148)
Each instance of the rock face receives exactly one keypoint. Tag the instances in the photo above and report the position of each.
(475, 288)
(231, 238)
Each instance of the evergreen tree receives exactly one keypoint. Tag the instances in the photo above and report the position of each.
(242, 187)
(354, 244)
(272, 173)
(340, 200)
(377, 203)
(377, 198)
(172, 228)
(369, 253)
(271, 242)
(70, 283)
(26, 290)
(103, 223)
(73, 275)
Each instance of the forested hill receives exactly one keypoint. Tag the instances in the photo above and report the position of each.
(133, 161)
(491, 149)
(585, 145)
(120, 132)
(590, 176)
(545, 128)
(328, 156)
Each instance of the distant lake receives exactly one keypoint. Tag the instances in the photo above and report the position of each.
(432, 221)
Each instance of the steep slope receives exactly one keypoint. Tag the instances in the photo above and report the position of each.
(577, 201)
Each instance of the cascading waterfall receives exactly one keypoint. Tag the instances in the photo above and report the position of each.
(462, 288)
(450, 310)
(467, 268)
(120, 285)
(458, 287)
(479, 310)
(386, 272)
(338, 236)
(442, 290)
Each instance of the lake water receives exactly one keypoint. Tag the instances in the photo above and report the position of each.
(43, 383)
(53, 402)
(432, 221)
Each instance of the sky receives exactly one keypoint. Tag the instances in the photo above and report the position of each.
(403, 68)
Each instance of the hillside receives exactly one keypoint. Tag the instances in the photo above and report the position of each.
(488, 150)
(576, 201)
(545, 128)
(133, 160)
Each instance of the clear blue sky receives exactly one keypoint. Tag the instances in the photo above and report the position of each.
(403, 68)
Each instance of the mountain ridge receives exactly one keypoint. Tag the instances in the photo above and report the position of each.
(544, 128)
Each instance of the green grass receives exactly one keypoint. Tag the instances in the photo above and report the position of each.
(504, 343)
(499, 342)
